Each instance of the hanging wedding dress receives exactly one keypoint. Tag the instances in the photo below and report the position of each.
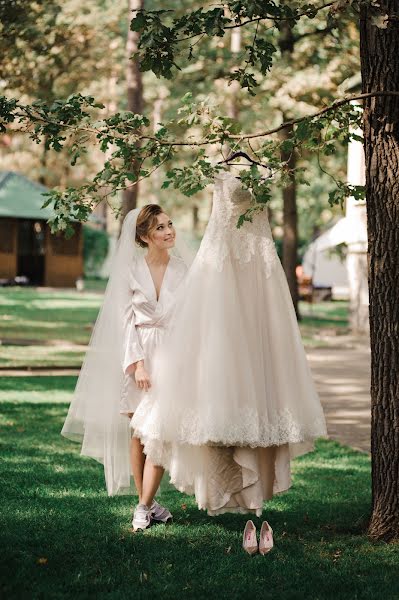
(233, 400)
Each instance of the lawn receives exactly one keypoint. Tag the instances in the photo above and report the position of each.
(43, 316)
(62, 537)
(50, 328)
(323, 320)
(45, 328)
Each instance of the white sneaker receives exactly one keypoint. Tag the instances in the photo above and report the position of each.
(141, 517)
(159, 513)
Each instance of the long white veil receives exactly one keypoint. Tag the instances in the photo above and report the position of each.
(93, 417)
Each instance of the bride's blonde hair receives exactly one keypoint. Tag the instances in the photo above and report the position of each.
(146, 222)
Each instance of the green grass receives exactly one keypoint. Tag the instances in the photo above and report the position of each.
(54, 326)
(40, 356)
(42, 316)
(323, 319)
(62, 537)
(95, 284)
(37, 389)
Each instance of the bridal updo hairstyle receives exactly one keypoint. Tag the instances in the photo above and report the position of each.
(146, 222)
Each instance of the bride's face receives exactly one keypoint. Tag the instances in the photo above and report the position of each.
(163, 236)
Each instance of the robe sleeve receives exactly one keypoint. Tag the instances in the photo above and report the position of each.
(132, 351)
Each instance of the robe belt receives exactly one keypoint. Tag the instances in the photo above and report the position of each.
(157, 325)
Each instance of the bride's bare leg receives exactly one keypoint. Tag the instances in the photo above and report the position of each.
(151, 479)
(137, 460)
(146, 475)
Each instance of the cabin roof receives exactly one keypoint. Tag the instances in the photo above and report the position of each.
(22, 198)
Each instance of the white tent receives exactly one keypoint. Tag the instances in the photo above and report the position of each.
(324, 266)
(349, 279)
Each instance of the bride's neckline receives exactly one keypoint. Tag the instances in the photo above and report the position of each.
(157, 293)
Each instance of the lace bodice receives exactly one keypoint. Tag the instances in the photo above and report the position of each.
(223, 240)
(229, 189)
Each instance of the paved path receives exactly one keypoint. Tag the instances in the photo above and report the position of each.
(342, 376)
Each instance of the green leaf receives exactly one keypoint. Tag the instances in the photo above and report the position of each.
(302, 130)
(287, 145)
(139, 22)
(131, 176)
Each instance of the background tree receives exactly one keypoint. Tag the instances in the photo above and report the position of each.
(379, 36)
(49, 51)
(135, 100)
(205, 74)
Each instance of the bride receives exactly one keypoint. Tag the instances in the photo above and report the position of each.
(233, 400)
(144, 280)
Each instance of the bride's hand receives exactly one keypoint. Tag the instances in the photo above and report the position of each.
(142, 378)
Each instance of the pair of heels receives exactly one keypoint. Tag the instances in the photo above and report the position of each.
(249, 541)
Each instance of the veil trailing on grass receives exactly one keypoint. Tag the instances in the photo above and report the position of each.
(94, 418)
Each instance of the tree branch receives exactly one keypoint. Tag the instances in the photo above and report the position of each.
(207, 142)
(328, 29)
(332, 106)
(267, 132)
(258, 20)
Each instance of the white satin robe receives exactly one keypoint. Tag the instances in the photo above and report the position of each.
(145, 321)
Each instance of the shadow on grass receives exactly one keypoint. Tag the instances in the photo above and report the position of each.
(42, 315)
(63, 537)
(38, 383)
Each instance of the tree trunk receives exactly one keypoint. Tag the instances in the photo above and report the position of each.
(286, 44)
(157, 117)
(43, 164)
(290, 224)
(380, 71)
(134, 96)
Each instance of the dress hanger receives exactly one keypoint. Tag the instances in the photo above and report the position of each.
(241, 154)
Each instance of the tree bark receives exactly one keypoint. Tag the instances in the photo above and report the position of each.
(134, 97)
(380, 71)
(286, 44)
(290, 224)
(43, 164)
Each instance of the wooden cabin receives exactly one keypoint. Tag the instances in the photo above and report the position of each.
(27, 248)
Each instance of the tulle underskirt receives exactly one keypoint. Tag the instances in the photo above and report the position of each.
(226, 478)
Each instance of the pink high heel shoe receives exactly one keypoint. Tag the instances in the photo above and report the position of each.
(266, 538)
(249, 541)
